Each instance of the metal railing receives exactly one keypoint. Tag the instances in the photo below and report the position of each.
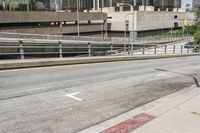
(22, 50)
(116, 40)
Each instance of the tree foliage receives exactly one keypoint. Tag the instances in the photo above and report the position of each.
(197, 37)
(191, 29)
(198, 13)
(195, 29)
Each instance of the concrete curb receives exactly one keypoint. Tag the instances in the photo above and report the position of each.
(15, 64)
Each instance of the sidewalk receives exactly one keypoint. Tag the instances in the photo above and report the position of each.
(176, 113)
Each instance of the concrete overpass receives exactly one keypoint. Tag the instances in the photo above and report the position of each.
(56, 23)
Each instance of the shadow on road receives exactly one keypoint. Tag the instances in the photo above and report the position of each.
(188, 75)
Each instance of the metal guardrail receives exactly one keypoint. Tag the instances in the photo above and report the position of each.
(24, 50)
(114, 40)
(92, 46)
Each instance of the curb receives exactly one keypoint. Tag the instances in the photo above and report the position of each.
(16, 64)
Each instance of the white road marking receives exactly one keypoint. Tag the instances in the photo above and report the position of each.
(164, 75)
(73, 97)
(161, 75)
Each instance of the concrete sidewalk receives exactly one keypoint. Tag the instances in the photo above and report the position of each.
(176, 113)
(27, 63)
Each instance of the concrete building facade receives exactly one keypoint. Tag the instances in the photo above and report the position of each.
(163, 4)
(87, 5)
(144, 21)
(52, 22)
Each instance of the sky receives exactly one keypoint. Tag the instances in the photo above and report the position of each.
(184, 2)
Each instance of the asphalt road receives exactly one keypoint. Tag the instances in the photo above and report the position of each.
(67, 99)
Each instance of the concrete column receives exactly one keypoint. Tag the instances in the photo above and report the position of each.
(143, 2)
(134, 3)
(110, 3)
(147, 3)
(4, 5)
(59, 4)
(102, 3)
(27, 7)
(56, 5)
(131, 9)
(94, 4)
(98, 5)
(121, 8)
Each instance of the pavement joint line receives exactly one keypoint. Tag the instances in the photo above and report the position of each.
(73, 97)
(155, 108)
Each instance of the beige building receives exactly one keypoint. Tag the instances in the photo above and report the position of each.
(142, 21)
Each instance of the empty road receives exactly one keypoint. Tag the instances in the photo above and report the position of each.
(68, 99)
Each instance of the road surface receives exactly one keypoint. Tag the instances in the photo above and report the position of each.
(68, 99)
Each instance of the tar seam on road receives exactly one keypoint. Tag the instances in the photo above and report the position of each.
(190, 75)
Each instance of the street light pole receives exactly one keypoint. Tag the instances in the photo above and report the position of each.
(102, 17)
(134, 4)
(125, 35)
(77, 14)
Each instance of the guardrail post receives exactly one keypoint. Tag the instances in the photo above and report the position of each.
(143, 50)
(174, 48)
(131, 49)
(60, 50)
(89, 49)
(188, 50)
(181, 49)
(124, 47)
(165, 49)
(111, 49)
(155, 49)
(21, 49)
